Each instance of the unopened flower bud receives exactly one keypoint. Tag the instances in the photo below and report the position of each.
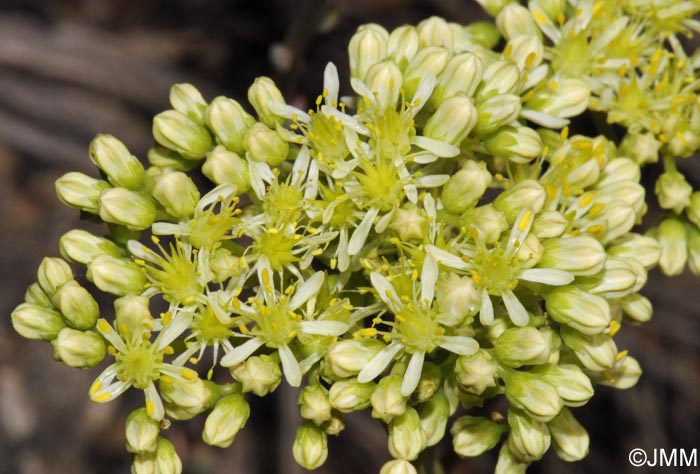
(367, 46)
(549, 224)
(573, 386)
(428, 61)
(496, 112)
(398, 466)
(452, 121)
(387, 400)
(525, 194)
(526, 51)
(225, 421)
(310, 448)
(619, 169)
(52, 274)
(117, 276)
(265, 145)
(672, 237)
(37, 322)
(517, 144)
(484, 33)
(174, 130)
(314, 404)
(500, 77)
(597, 352)
(528, 439)
(514, 20)
(229, 121)
(434, 414)
(637, 308)
(346, 358)
(36, 295)
(489, 222)
(406, 437)
(132, 315)
(176, 192)
(628, 192)
(641, 147)
(80, 191)
(429, 382)
(384, 80)
(186, 99)
(477, 372)
(552, 8)
(121, 167)
(466, 187)
(618, 219)
(494, 7)
(693, 209)
(225, 265)
(258, 374)
(570, 439)
(264, 96)
(120, 206)
(583, 311)
(77, 305)
(458, 298)
(620, 277)
(403, 45)
(625, 374)
(164, 158)
(82, 247)
(473, 436)
(522, 346)
(435, 31)
(568, 99)
(508, 463)
(141, 432)
(350, 395)
(226, 167)
(694, 249)
(462, 75)
(185, 399)
(167, 460)
(531, 393)
(673, 191)
(579, 255)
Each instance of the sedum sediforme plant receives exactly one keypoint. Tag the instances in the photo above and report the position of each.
(435, 242)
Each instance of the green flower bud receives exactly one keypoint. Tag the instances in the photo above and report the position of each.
(519, 145)
(264, 96)
(494, 7)
(226, 167)
(628, 192)
(466, 187)
(176, 192)
(508, 464)
(314, 404)
(496, 112)
(477, 372)
(52, 274)
(403, 44)
(580, 255)
(584, 175)
(672, 237)
(474, 435)
(80, 191)
(186, 99)
(568, 99)
(500, 77)
(433, 417)
(573, 386)
(174, 130)
(346, 358)
(462, 75)
(185, 399)
(526, 51)
(452, 121)
(121, 167)
(484, 33)
(406, 437)
(350, 395)
(693, 209)
(570, 439)
(144, 463)
(641, 147)
(121, 206)
(549, 224)
(265, 145)
(367, 46)
(167, 460)
(520, 346)
(310, 448)
(83, 247)
(132, 314)
(225, 421)
(428, 61)
(694, 249)
(384, 80)
(528, 439)
(585, 312)
(398, 466)
(37, 322)
(435, 31)
(526, 193)
(36, 295)
(429, 382)
(163, 158)
(458, 299)
(515, 20)
(77, 305)
(619, 169)
(335, 425)
(117, 276)
(487, 220)
(619, 278)
(141, 432)
(646, 250)
(552, 8)
(673, 191)
(534, 395)
(636, 307)
(624, 375)
(258, 374)
(387, 400)
(229, 122)
(225, 265)
(596, 352)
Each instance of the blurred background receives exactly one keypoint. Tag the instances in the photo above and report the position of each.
(70, 69)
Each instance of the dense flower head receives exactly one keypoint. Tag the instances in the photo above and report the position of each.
(433, 241)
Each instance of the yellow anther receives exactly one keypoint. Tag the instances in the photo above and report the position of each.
(586, 199)
(150, 408)
(103, 326)
(95, 387)
(104, 397)
(367, 332)
(166, 318)
(188, 374)
(607, 376)
(168, 350)
(155, 239)
(166, 379)
(539, 17)
(614, 328)
(525, 220)
(621, 355)
(596, 229)
(111, 350)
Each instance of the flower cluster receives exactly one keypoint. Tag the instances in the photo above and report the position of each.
(421, 248)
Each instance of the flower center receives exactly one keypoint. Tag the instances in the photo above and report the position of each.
(139, 364)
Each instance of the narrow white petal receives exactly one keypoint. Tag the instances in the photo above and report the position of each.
(290, 366)
(138, 250)
(361, 88)
(446, 258)
(345, 119)
(535, 76)
(156, 404)
(307, 290)
(546, 120)
(168, 228)
(461, 345)
(111, 335)
(412, 375)
(379, 363)
(384, 221)
(423, 92)
(223, 191)
(516, 310)
(301, 166)
(386, 292)
(432, 180)
(429, 205)
(437, 147)
(289, 111)
(323, 328)
(486, 311)
(241, 353)
(110, 392)
(309, 362)
(331, 84)
(548, 276)
(423, 158)
(179, 324)
(357, 241)
(311, 188)
(428, 279)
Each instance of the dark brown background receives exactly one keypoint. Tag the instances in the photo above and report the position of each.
(73, 68)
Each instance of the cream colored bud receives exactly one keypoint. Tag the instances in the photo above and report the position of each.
(264, 96)
(37, 322)
(549, 224)
(133, 210)
(500, 77)
(641, 147)
(83, 247)
(346, 358)
(116, 275)
(693, 209)
(520, 346)
(225, 421)
(80, 191)
(435, 31)
(452, 121)
(167, 460)
(174, 130)
(487, 221)
(618, 219)
(477, 372)
(583, 311)
(36, 295)
(580, 255)
(132, 315)
(430, 381)
(429, 61)
(473, 436)
(258, 374)
(314, 404)
(568, 99)
(597, 352)
(226, 167)
(52, 274)
(525, 194)
(387, 400)
(496, 112)
(518, 144)
(534, 395)
(229, 122)
(185, 399)
(494, 7)
(526, 51)
(163, 158)
(619, 278)
(458, 299)
(573, 386)
(367, 46)
(484, 33)
(462, 75)
(619, 169)
(515, 20)
(552, 8)
(508, 463)
(310, 448)
(584, 175)
(403, 44)
(77, 305)
(265, 145)
(177, 193)
(121, 167)
(434, 414)
(350, 395)
(384, 80)
(141, 432)
(466, 187)
(406, 437)
(673, 191)
(570, 439)
(628, 192)
(528, 439)
(672, 237)
(186, 99)
(624, 375)
(225, 265)
(636, 307)
(398, 466)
